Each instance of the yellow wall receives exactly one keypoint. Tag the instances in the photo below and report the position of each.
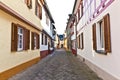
(10, 59)
(65, 43)
(21, 8)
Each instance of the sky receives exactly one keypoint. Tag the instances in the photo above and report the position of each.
(59, 10)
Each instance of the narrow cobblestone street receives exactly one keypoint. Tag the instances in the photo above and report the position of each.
(58, 66)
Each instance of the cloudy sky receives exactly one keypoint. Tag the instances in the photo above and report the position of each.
(60, 10)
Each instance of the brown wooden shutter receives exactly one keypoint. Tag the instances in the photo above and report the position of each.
(36, 7)
(40, 13)
(79, 41)
(107, 37)
(14, 37)
(82, 8)
(78, 14)
(94, 36)
(42, 38)
(82, 41)
(37, 41)
(26, 39)
(32, 41)
(45, 40)
(29, 3)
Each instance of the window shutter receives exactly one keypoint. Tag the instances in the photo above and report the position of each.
(36, 7)
(94, 37)
(26, 39)
(78, 14)
(45, 40)
(40, 12)
(14, 37)
(32, 41)
(79, 41)
(42, 38)
(82, 41)
(81, 8)
(29, 3)
(107, 33)
(38, 41)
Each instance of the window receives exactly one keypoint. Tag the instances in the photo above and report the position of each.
(101, 35)
(42, 38)
(35, 41)
(78, 14)
(76, 18)
(29, 3)
(47, 20)
(73, 44)
(20, 38)
(80, 41)
(45, 40)
(81, 9)
(38, 10)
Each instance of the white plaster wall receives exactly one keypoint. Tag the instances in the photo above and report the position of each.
(43, 23)
(42, 47)
(110, 62)
(46, 28)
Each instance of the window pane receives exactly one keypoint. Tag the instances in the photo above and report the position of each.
(20, 39)
(100, 36)
(35, 42)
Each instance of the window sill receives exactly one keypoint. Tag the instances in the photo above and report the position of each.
(101, 52)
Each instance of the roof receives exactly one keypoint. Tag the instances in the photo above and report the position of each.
(74, 6)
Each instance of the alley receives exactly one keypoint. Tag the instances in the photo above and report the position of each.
(58, 66)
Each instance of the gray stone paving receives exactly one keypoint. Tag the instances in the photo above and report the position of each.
(57, 66)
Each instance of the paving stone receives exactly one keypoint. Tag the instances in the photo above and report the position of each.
(58, 66)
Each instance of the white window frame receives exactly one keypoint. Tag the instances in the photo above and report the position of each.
(20, 40)
(100, 36)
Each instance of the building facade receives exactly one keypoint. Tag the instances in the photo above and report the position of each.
(47, 37)
(20, 27)
(71, 34)
(97, 44)
(65, 40)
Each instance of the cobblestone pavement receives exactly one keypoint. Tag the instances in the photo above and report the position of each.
(57, 66)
